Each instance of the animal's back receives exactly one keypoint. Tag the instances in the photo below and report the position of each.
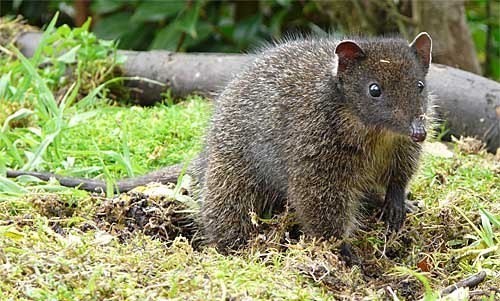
(254, 113)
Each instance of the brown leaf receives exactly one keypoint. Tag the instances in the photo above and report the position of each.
(424, 265)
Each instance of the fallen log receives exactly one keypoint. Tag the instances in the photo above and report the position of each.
(182, 73)
(470, 104)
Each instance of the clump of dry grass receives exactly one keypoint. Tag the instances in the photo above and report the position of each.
(155, 210)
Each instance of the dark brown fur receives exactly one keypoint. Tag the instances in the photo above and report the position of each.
(290, 129)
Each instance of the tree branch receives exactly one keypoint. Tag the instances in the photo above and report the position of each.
(467, 282)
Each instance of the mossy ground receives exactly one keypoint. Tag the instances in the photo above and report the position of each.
(65, 244)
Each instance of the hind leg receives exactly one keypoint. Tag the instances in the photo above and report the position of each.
(326, 203)
(229, 198)
(372, 201)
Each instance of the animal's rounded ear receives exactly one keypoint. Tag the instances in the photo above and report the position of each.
(422, 46)
(347, 52)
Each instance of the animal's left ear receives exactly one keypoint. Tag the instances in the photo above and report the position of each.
(422, 46)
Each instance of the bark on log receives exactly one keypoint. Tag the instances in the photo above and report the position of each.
(183, 73)
(469, 103)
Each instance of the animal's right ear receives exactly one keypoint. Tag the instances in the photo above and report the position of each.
(347, 52)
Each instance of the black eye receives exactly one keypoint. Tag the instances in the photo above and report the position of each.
(375, 90)
(420, 86)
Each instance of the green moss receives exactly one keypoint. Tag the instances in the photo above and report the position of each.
(151, 138)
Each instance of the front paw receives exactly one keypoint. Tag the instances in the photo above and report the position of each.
(394, 213)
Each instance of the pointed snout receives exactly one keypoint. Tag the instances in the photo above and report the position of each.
(417, 130)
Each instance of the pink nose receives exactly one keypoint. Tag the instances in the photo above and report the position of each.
(418, 137)
(418, 134)
(417, 130)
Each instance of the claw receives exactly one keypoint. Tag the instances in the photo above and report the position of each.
(412, 206)
(394, 214)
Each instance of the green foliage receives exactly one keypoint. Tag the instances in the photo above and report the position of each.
(483, 18)
(77, 55)
(67, 64)
(194, 25)
(65, 56)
